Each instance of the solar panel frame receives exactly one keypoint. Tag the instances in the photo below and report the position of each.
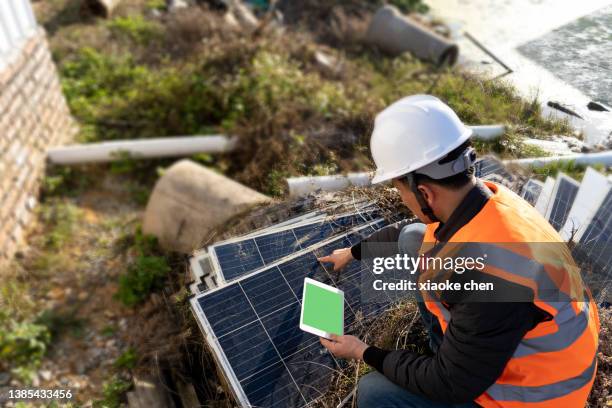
(212, 337)
(544, 198)
(253, 258)
(310, 216)
(488, 166)
(594, 188)
(531, 190)
(562, 197)
(595, 246)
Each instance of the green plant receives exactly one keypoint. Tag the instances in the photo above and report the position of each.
(408, 6)
(291, 118)
(127, 359)
(22, 346)
(64, 181)
(92, 81)
(276, 183)
(59, 217)
(570, 168)
(156, 4)
(136, 28)
(113, 391)
(58, 322)
(146, 273)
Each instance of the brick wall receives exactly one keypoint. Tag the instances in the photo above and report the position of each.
(33, 116)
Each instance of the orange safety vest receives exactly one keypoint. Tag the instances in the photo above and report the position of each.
(555, 362)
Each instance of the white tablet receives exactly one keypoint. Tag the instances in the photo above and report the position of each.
(322, 309)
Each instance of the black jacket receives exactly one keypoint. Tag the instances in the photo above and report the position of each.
(479, 340)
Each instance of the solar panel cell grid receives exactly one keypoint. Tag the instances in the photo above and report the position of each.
(273, 387)
(249, 350)
(255, 322)
(238, 258)
(531, 191)
(488, 166)
(595, 250)
(227, 310)
(563, 197)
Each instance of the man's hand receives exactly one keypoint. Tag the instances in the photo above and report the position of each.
(340, 258)
(349, 347)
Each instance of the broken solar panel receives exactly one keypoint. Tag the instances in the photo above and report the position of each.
(252, 324)
(531, 191)
(594, 251)
(563, 195)
(236, 258)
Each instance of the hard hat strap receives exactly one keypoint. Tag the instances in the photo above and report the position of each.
(425, 208)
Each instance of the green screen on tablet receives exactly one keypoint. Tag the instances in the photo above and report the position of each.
(322, 309)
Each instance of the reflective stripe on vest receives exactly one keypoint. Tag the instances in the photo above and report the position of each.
(555, 362)
(522, 393)
(570, 326)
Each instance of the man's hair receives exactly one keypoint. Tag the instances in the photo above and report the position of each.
(454, 182)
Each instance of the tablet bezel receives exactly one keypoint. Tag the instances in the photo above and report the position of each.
(311, 329)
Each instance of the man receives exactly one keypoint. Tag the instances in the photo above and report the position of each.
(536, 347)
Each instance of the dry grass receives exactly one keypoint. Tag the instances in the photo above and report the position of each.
(601, 396)
(399, 327)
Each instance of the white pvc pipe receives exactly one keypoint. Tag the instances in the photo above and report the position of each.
(301, 186)
(140, 149)
(603, 158)
(487, 132)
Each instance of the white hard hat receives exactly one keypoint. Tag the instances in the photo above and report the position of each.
(415, 132)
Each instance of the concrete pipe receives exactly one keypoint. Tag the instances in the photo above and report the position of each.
(395, 34)
(189, 200)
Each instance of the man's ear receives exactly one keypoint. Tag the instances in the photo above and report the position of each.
(428, 193)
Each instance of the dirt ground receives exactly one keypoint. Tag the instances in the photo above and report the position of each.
(76, 284)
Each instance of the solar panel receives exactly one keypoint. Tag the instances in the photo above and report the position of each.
(355, 205)
(235, 258)
(595, 251)
(488, 166)
(544, 198)
(563, 195)
(591, 194)
(311, 216)
(531, 190)
(252, 325)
